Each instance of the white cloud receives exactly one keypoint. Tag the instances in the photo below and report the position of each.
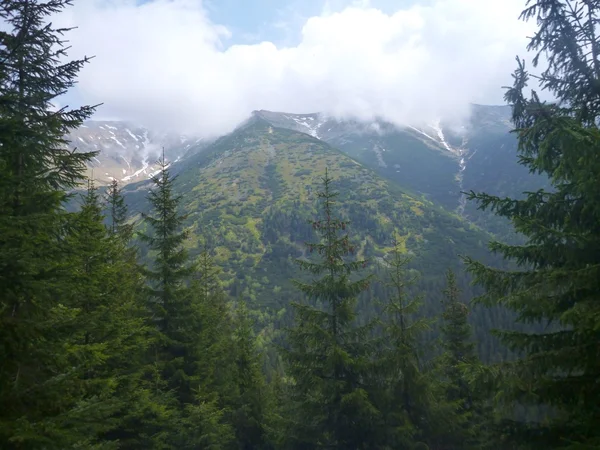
(164, 63)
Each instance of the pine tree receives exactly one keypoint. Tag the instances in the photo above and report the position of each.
(328, 357)
(456, 334)
(36, 372)
(172, 269)
(215, 344)
(117, 212)
(107, 333)
(142, 406)
(459, 355)
(558, 276)
(193, 418)
(408, 399)
(249, 415)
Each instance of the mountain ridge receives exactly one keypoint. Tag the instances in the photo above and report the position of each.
(127, 152)
(255, 191)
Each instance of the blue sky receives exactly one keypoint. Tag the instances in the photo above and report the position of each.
(280, 21)
(205, 65)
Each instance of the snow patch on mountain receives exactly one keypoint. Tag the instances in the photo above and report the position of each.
(423, 133)
(128, 131)
(136, 173)
(126, 152)
(309, 124)
(117, 141)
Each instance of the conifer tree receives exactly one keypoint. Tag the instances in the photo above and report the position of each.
(328, 357)
(107, 332)
(194, 419)
(172, 269)
(37, 389)
(143, 407)
(412, 411)
(558, 279)
(456, 335)
(215, 342)
(249, 415)
(117, 212)
(469, 429)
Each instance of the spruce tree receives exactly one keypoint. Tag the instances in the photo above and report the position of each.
(412, 410)
(459, 355)
(328, 357)
(558, 277)
(37, 388)
(215, 344)
(172, 269)
(143, 407)
(194, 419)
(107, 335)
(117, 212)
(249, 415)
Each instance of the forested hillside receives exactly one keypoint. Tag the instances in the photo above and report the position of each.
(249, 198)
(272, 292)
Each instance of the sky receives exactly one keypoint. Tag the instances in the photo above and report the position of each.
(203, 66)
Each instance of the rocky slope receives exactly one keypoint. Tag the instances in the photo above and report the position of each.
(128, 153)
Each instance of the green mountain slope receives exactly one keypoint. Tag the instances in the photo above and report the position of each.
(437, 161)
(415, 158)
(250, 194)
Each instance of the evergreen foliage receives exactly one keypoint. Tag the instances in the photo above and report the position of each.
(107, 335)
(117, 212)
(557, 282)
(215, 363)
(412, 410)
(472, 415)
(328, 356)
(179, 313)
(39, 395)
(249, 415)
(172, 270)
(100, 352)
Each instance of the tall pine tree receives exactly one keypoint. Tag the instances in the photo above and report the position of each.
(117, 212)
(107, 336)
(214, 343)
(411, 410)
(194, 418)
(558, 280)
(249, 415)
(328, 357)
(137, 399)
(37, 389)
(470, 422)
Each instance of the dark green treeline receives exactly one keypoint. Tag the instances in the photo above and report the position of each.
(101, 351)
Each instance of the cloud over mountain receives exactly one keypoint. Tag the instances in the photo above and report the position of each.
(164, 62)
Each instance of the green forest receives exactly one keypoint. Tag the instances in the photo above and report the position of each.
(314, 304)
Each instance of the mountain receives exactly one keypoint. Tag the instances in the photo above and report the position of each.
(417, 158)
(438, 160)
(128, 152)
(249, 196)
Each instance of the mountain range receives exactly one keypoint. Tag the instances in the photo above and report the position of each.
(249, 195)
(438, 161)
